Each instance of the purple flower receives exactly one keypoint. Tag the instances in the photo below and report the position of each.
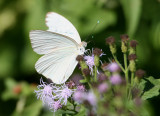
(55, 105)
(79, 96)
(62, 93)
(91, 98)
(115, 79)
(103, 87)
(113, 67)
(80, 88)
(44, 92)
(90, 62)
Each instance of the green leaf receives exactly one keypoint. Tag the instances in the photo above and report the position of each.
(151, 93)
(81, 112)
(132, 11)
(154, 91)
(153, 80)
(33, 109)
(142, 84)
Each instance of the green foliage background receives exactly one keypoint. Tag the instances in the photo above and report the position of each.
(140, 19)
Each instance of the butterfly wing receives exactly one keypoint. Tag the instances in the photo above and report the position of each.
(44, 42)
(59, 24)
(60, 51)
(58, 65)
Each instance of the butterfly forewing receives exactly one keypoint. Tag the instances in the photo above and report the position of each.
(44, 42)
(59, 24)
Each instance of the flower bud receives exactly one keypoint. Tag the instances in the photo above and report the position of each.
(96, 60)
(132, 66)
(124, 38)
(133, 43)
(132, 57)
(110, 40)
(83, 65)
(124, 46)
(140, 73)
(70, 84)
(79, 58)
(104, 66)
(97, 52)
(102, 77)
(86, 72)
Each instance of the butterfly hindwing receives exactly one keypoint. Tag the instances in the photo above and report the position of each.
(58, 65)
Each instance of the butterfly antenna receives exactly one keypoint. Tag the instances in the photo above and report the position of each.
(92, 31)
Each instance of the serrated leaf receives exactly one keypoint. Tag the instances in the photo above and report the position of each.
(151, 93)
(153, 80)
(142, 84)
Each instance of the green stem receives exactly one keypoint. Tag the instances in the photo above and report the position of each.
(95, 74)
(126, 67)
(115, 58)
(132, 79)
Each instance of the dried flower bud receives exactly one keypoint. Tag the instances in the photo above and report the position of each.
(97, 51)
(70, 84)
(94, 84)
(86, 72)
(133, 43)
(102, 77)
(76, 79)
(140, 73)
(110, 40)
(138, 101)
(132, 57)
(135, 92)
(79, 58)
(124, 38)
(104, 66)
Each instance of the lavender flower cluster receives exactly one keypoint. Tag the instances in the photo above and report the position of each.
(99, 89)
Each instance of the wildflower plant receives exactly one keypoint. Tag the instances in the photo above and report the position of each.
(106, 89)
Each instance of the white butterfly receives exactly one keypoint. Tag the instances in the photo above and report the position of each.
(59, 45)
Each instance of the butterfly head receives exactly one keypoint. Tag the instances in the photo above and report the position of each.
(84, 44)
(82, 48)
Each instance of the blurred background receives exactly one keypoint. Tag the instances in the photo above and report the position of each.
(140, 19)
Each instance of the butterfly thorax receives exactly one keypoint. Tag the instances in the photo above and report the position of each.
(81, 48)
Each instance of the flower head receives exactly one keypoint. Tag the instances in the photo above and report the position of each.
(55, 106)
(79, 96)
(90, 61)
(113, 67)
(103, 87)
(45, 92)
(91, 98)
(115, 79)
(81, 88)
(62, 93)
